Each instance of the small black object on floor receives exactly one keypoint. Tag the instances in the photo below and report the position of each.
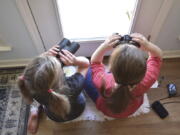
(159, 109)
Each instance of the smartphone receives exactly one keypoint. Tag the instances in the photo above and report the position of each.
(159, 109)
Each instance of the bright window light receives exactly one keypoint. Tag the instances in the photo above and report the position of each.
(93, 19)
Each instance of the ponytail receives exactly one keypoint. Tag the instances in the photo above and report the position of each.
(24, 91)
(41, 74)
(119, 98)
(59, 104)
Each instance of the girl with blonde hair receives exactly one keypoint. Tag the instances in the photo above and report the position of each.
(43, 81)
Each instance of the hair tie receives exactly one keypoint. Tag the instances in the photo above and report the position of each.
(120, 84)
(50, 90)
(129, 86)
(124, 85)
(21, 77)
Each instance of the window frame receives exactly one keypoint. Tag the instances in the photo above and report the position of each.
(94, 43)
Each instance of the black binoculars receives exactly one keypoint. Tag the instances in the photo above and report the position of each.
(67, 45)
(127, 39)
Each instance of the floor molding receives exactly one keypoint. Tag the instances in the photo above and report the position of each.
(171, 54)
(14, 63)
(5, 48)
(24, 62)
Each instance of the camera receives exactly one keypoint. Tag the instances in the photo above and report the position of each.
(128, 39)
(67, 45)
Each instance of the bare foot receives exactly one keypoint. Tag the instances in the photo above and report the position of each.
(33, 121)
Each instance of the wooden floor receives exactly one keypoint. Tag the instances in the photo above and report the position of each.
(148, 124)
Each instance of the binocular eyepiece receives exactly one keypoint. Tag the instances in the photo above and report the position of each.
(67, 45)
(127, 39)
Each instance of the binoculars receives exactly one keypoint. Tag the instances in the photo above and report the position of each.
(67, 45)
(127, 39)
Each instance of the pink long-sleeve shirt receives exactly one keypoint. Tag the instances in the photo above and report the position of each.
(98, 72)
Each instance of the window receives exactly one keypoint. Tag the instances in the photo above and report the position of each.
(95, 19)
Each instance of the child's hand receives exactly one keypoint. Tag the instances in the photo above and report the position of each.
(111, 42)
(152, 49)
(53, 51)
(144, 43)
(67, 58)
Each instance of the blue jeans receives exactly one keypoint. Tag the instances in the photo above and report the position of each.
(89, 86)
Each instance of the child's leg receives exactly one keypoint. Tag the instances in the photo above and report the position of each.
(78, 108)
(33, 121)
(89, 86)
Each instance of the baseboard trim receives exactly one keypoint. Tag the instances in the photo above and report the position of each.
(5, 48)
(14, 63)
(24, 62)
(171, 54)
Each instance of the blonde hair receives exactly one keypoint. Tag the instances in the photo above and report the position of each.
(40, 75)
(128, 66)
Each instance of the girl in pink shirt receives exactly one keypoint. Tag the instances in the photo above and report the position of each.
(119, 93)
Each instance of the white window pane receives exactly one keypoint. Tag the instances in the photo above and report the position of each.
(95, 18)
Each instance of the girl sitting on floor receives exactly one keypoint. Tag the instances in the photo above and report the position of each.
(119, 93)
(60, 97)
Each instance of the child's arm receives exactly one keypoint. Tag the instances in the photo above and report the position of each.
(108, 44)
(53, 51)
(153, 64)
(69, 59)
(83, 64)
(152, 49)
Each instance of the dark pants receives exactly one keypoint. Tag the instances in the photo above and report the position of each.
(77, 108)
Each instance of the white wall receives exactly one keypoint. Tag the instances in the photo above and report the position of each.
(47, 21)
(14, 33)
(168, 37)
(146, 17)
